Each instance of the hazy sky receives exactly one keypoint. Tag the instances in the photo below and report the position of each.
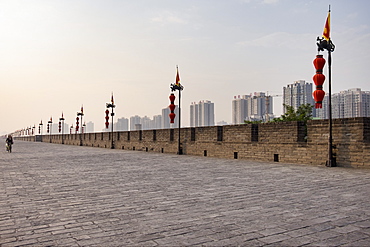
(56, 55)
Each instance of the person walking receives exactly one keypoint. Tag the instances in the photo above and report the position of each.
(9, 142)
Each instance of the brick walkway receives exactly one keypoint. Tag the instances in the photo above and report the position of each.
(58, 195)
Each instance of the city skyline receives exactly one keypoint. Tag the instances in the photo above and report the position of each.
(59, 55)
(358, 107)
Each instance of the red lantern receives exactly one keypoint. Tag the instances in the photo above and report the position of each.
(319, 78)
(318, 95)
(106, 119)
(172, 98)
(77, 124)
(172, 106)
(319, 63)
(172, 117)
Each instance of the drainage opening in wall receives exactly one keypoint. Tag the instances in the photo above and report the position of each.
(235, 155)
(205, 152)
(162, 150)
(276, 157)
(146, 149)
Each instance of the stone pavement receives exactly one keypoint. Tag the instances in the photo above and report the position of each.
(58, 195)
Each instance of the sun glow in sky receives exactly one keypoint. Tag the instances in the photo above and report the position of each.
(56, 55)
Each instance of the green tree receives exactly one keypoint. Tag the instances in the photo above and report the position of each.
(303, 113)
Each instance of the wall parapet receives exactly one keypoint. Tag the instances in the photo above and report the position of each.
(288, 142)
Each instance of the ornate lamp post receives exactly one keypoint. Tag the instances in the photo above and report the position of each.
(179, 87)
(80, 114)
(50, 127)
(110, 105)
(40, 129)
(325, 43)
(61, 127)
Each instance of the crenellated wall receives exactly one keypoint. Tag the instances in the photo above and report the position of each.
(288, 142)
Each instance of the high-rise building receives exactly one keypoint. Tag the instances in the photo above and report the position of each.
(90, 127)
(146, 123)
(260, 107)
(157, 122)
(347, 104)
(254, 107)
(240, 109)
(298, 93)
(133, 121)
(202, 114)
(121, 124)
(166, 120)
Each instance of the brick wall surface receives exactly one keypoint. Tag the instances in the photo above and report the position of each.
(288, 142)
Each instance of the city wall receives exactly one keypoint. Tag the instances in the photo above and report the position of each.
(288, 142)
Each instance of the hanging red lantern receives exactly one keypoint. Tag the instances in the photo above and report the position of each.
(318, 95)
(319, 63)
(77, 124)
(172, 117)
(172, 106)
(319, 78)
(107, 119)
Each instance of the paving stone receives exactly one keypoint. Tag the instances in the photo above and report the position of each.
(58, 195)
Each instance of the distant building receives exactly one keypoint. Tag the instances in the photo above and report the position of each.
(157, 122)
(260, 107)
(90, 127)
(347, 104)
(133, 121)
(240, 109)
(121, 124)
(202, 114)
(254, 107)
(297, 94)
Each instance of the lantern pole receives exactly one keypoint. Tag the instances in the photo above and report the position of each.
(62, 123)
(174, 87)
(81, 114)
(40, 128)
(328, 45)
(179, 151)
(331, 162)
(50, 122)
(111, 105)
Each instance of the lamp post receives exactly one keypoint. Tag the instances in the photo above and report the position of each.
(50, 127)
(80, 114)
(325, 43)
(179, 87)
(40, 129)
(111, 105)
(61, 122)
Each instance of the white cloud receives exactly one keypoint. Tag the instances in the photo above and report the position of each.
(168, 17)
(279, 40)
(270, 1)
